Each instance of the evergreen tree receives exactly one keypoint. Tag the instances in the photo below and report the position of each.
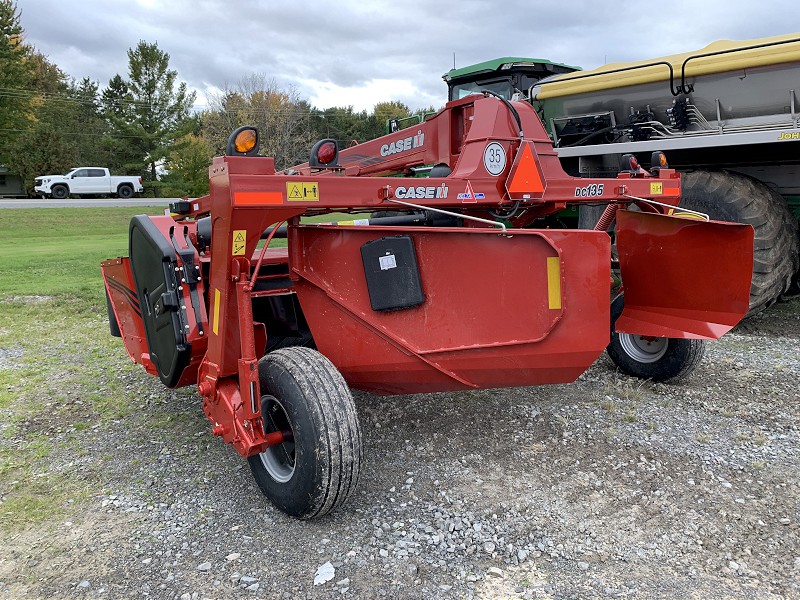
(148, 112)
(15, 80)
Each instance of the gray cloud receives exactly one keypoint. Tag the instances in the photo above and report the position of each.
(348, 45)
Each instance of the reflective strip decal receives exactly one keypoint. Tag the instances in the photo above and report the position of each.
(554, 282)
(257, 198)
(215, 328)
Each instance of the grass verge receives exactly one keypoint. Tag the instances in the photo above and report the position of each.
(60, 370)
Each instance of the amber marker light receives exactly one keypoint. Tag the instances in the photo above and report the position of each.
(243, 142)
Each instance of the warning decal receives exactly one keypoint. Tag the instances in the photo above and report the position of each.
(525, 180)
(469, 196)
(302, 191)
(239, 242)
(657, 188)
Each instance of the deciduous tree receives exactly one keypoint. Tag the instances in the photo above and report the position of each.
(283, 119)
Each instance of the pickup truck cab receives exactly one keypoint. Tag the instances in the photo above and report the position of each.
(87, 181)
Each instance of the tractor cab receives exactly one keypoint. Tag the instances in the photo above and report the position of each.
(503, 76)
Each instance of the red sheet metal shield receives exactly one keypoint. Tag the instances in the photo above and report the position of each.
(499, 311)
(683, 278)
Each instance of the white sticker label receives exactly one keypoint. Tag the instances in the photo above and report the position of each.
(388, 262)
(494, 158)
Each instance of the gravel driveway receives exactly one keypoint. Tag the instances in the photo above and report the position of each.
(606, 488)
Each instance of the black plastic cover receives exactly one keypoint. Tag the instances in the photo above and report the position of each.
(153, 262)
(392, 272)
(181, 207)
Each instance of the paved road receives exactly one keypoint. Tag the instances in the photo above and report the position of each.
(83, 202)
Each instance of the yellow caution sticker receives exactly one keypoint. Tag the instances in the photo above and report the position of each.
(302, 191)
(215, 325)
(554, 282)
(239, 242)
(657, 188)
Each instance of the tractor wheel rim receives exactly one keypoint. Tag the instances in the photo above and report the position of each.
(278, 460)
(643, 349)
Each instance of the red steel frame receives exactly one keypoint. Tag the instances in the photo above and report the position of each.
(567, 331)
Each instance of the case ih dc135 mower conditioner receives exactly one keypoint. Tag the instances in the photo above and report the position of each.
(459, 292)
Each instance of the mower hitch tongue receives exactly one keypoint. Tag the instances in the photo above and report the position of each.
(469, 287)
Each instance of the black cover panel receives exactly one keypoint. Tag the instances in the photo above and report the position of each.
(392, 272)
(153, 262)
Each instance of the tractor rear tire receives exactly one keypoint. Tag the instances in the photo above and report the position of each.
(729, 196)
(59, 192)
(316, 469)
(654, 358)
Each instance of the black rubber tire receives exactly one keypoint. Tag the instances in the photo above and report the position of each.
(674, 360)
(304, 340)
(59, 192)
(125, 191)
(325, 454)
(729, 196)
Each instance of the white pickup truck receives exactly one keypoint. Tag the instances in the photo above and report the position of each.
(87, 181)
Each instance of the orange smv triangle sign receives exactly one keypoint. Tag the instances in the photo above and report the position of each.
(525, 180)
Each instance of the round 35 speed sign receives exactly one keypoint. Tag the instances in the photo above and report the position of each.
(494, 158)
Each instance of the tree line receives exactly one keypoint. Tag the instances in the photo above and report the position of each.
(143, 123)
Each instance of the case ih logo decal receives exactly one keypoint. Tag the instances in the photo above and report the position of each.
(408, 143)
(590, 191)
(421, 191)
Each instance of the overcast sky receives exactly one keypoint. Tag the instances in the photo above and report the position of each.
(359, 52)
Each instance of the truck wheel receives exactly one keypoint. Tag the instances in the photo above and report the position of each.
(728, 196)
(656, 358)
(125, 191)
(59, 192)
(317, 467)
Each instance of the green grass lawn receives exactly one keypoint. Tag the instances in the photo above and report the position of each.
(50, 252)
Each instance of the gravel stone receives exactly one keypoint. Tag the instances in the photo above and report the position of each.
(607, 487)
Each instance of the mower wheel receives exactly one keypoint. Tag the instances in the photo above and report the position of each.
(59, 192)
(304, 339)
(125, 191)
(656, 358)
(316, 468)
